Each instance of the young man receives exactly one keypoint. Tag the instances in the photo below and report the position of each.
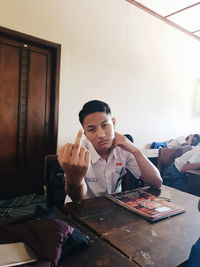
(94, 167)
(174, 175)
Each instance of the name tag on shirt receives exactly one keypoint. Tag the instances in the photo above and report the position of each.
(91, 180)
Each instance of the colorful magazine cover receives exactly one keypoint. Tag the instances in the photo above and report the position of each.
(147, 205)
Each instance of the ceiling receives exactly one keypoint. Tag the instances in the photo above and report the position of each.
(183, 14)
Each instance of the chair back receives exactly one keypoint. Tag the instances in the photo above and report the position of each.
(129, 181)
(166, 156)
(54, 182)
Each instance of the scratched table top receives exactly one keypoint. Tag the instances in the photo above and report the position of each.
(164, 243)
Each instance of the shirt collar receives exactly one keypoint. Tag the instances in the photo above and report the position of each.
(95, 156)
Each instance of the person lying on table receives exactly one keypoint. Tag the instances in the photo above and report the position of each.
(174, 175)
(190, 140)
(94, 166)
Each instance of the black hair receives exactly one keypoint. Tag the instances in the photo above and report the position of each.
(92, 107)
(196, 141)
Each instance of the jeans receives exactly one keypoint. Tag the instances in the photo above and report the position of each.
(174, 178)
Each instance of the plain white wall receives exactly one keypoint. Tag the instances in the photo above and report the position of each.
(148, 71)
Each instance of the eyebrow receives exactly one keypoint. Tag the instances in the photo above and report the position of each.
(104, 121)
(91, 126)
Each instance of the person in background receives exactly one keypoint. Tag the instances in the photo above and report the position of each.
(190, 140)
(94, 166)
(174, 175)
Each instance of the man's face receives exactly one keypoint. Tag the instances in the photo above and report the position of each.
(99, 129)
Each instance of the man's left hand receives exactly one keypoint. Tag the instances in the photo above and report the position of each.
(122, 141)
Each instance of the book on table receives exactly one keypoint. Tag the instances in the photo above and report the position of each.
(13, 254)
(148, 206)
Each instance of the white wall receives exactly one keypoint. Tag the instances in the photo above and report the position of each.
(145, 69)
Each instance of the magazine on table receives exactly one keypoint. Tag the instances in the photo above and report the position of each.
(150, 207)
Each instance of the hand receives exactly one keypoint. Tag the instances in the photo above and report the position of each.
(149, 173)
(121, 141)
(74, 160)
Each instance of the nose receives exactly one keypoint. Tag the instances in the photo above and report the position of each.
(100, 133)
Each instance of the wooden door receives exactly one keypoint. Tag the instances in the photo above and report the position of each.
(27, 114)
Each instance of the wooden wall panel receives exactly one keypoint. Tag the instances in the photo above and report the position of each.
(9, 89)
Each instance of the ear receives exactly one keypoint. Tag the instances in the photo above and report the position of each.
(84, 132)
(114, 121)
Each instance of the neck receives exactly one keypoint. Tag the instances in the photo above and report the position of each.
(104, 154)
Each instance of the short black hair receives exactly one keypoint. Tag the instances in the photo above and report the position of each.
(195, 140)
(92, 107)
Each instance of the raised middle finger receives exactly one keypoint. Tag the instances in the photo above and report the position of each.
(78, 143)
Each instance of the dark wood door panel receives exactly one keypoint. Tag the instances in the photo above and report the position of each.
(9, 89)
(38, 117)
(29, 81)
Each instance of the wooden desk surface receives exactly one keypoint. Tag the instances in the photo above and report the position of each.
(150, 153)
(100, 254)
(163, 243)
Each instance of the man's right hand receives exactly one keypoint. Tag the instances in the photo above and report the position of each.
(74, 160)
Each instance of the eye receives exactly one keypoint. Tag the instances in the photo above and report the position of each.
(91, 130)
(104, 125)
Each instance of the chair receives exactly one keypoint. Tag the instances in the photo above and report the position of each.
(128, 180)
(166, 156)
(54, 182)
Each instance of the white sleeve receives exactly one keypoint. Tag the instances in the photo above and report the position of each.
(195, 156)
(132, 165)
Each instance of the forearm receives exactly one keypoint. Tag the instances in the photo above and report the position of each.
(76, 192)
(190, 166)
(149, 173)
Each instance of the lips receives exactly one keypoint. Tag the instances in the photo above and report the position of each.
(104, 142)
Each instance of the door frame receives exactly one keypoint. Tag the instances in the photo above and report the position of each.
(56, 52)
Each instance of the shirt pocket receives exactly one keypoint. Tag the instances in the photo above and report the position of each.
(120, 170)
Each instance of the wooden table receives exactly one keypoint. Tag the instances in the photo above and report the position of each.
(150, 153)
(99, 254)
(194, 182)
(164, 243)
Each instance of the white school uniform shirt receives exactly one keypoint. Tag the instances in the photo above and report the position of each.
(103, 176)
(178, 142)
(192, 156)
